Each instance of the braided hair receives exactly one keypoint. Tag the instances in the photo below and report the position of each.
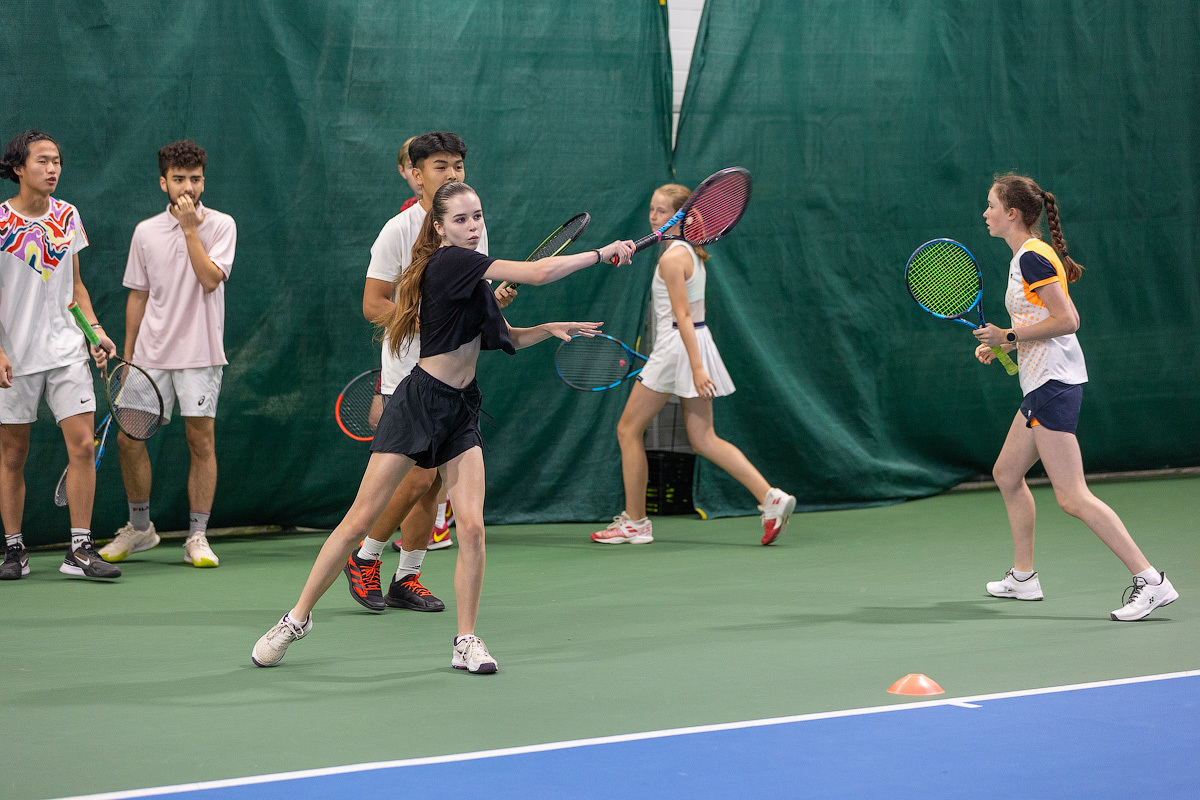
(1023, 194)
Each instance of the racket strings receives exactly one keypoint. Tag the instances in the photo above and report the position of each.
(136, 403)
(559, 241)
(354, 405)
(716, 210)
(592, 362)
(945, 279)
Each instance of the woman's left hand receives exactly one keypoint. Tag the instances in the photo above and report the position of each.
(565, 330)
(990, 335)
(505, 295)
(704, 384)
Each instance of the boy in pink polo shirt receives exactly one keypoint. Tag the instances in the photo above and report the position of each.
(178, 263)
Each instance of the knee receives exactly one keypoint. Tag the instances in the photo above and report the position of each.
(703, 442)
(629, 431)
(1006, 479)
(1072, 503)
(13, 456)
(468, 530)
(201, 447)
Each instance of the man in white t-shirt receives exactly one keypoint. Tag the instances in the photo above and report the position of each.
(178, 263)
(42, 350)
(436, 158)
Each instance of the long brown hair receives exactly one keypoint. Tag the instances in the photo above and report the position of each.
(1023, 194)
(403, 320)
(678, 195)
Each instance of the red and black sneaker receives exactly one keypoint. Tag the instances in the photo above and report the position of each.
(407, 592)
(364, 582)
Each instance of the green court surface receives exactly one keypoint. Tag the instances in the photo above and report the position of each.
(147, 681)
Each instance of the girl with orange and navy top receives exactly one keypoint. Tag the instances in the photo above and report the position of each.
(1052, 374)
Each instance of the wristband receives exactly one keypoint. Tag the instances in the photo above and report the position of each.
(599, 256)
(97, 325)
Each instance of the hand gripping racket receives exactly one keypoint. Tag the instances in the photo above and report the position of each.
(133, 398)
(60, 491)
(558, 241)
(944, 279)
(709, 213)
(596, 363)
(359, 406)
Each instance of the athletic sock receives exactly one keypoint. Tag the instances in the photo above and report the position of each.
(15, 540)
(410, 563)
(1021, 576)
(440, 522)
(79, 537)
(139, 516)
(371, 550)
(197, 523)
(1150, 575)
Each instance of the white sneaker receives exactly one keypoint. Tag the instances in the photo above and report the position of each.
(129, 541)
(197, 552)
(1144, 598)
(776, 510)
(471, 654)
(268, 651)
(623, 530)
(1028, 589)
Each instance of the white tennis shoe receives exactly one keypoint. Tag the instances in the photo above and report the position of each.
(128, 541)
(1144, 598)
(623, 530)
(1009, 586)
(776, 510)
(268, 651)
(197, 552)
(471, 654)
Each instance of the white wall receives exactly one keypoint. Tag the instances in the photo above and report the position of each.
(684, 21)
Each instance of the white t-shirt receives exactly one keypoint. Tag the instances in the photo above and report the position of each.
(184, 326)
(1060, 358)
(37, 283)
(390, 256)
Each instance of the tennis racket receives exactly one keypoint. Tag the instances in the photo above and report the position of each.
(596, 363)
(709, 213)
(60, 491)
(359, 406)
(558, 241)
(944, 279)
(133, 397)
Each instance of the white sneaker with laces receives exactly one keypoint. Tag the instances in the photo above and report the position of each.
(776, 510)
(128, 541)
(268, 651)
(471, 654)
(197, 552)
(1144, 597)
(623, 530)
(1028, 589)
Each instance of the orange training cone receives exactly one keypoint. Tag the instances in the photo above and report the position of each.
(916, 683)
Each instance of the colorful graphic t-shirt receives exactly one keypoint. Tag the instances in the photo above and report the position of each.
(37, 283)
(1061, 358)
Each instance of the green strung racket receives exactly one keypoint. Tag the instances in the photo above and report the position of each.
(944, 279)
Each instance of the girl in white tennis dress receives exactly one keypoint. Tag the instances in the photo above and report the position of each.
(684, 363)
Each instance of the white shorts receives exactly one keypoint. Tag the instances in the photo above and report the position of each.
(69, 391)
(197, 390)
(669, 370)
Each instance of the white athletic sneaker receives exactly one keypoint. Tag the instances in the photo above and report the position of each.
(129, 541)
(776, 510)
(268, 651)
(623, 530)
(471, 654)
(1028, 589)
(1145, 597)
(197, 552)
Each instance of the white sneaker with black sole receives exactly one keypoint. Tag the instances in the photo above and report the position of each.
(1144, 597)
(471, 654)
(268, 651)
(1012, 587)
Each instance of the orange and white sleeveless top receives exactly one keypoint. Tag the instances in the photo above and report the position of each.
(1061, 358)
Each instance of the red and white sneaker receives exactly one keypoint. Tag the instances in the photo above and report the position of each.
(439, 537)
(776, 510)
(623, 530)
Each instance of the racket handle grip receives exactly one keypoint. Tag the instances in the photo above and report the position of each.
(1009, 366)
(84, 325)
(641, 244)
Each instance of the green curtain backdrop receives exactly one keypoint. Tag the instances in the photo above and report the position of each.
(871, 127)
(565, 107)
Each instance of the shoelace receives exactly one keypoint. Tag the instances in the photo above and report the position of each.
(370, 576)
(1133, 591)
(411, 583)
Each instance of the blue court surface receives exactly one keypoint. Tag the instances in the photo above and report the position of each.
(1134, 738)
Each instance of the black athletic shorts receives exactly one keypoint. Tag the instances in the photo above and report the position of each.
(1054, 405)
(429, 421)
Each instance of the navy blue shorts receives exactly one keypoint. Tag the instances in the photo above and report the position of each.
(429, 421)
(1054, 405)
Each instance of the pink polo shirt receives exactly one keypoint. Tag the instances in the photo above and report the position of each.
(184, 326)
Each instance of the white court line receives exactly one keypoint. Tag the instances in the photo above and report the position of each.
(965, 702)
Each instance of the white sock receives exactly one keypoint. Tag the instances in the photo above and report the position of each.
(1021, 576)
(440, 521)
(15, 540)
(139, 516)
(1150, 575)
(410, 563)
(79, 537)
(371, 550)
(197, 523)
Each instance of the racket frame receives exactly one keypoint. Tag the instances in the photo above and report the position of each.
(630, 374)
(337, 405)
(99, 441)
(580, 219)
(701, 190)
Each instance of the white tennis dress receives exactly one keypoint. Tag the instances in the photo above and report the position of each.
(669, 370)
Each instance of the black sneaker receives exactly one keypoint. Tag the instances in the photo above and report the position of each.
(409, 593)
(85, 562)
(364, 582)
(16, 563)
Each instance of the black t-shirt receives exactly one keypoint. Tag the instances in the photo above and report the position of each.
(457, 304)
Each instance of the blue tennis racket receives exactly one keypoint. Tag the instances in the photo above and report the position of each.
(596, 363)
(60, 491)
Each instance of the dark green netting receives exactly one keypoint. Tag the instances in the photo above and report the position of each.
(565, 107)
(871, 127)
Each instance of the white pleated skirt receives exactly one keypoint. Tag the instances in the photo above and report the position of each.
(669, 371)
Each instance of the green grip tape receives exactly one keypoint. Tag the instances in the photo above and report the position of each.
(86, 326)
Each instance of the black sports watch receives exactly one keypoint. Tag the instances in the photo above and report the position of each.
(1011, 335)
